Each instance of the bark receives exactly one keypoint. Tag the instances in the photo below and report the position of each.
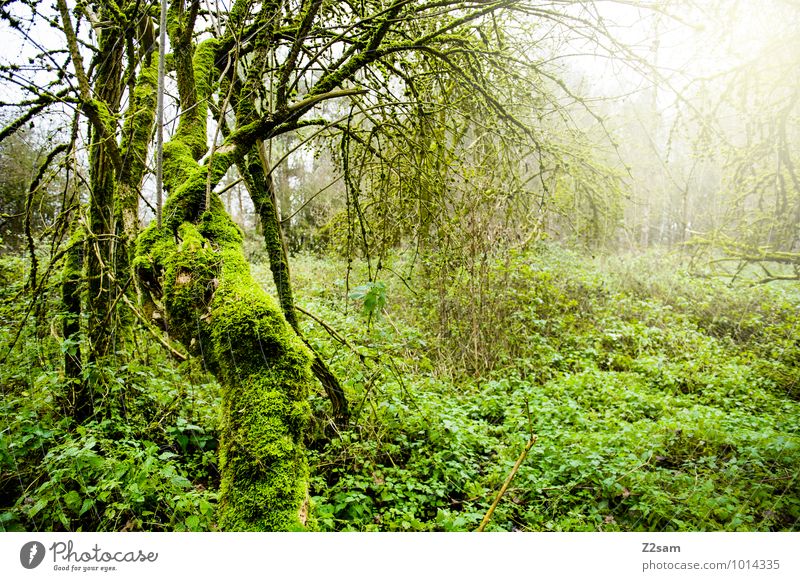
(99, 263)
(215, 308)
(136, 136)
(79, 401)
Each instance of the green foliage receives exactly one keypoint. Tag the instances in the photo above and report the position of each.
(648, 389)
(372, 295)
(132, 472)
(20, 156)
(149, 465)
(662, 402)
(99, 478)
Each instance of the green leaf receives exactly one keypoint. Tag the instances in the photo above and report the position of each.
(206, 508)
(40, 504)
(181, 481)
(73, 500)
(373, 295)
(87, 504)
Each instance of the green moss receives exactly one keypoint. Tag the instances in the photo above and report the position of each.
(139, 122)
(73, 265)
(178, 164)
(217, 310)
(219, 227)
(203, 63)
(192, 127)
(107, 118)
(151, 244)
(188, 288)
(188, 190)
(174, 23)
(195, 266)
(71, 278)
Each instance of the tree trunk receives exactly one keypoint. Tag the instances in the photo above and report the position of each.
(262, 192)
(79, 403)
(214, 307)
(99, 259)
(194, 268)
(136, 136)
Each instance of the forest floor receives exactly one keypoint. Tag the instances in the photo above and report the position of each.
(661, 401)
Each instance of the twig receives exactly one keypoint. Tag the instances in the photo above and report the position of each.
(175, 353)
(635, 468)
(331, 331)
(509, 478)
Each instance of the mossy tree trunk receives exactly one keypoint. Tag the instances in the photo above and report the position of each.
(78, 401)
(102, 199)
(193, 268)
(214, 307)
(100, 103)
(260, 185)
(257, 177)
(136, 134)
(116, 172)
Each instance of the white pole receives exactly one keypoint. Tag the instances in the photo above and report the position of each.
(162, 48)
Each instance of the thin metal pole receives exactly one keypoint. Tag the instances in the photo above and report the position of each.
(162, 48)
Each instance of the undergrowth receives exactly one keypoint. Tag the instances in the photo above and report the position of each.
(661, 402)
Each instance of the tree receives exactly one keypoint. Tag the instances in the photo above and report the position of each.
(740, 109)
(245, 76)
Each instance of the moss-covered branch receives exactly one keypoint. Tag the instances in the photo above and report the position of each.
(96, 109)
(261, 188)
(193, 268)
(136, 134)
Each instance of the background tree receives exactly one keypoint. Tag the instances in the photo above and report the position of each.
(754, 123)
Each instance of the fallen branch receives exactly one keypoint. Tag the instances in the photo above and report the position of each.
(509, 478)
